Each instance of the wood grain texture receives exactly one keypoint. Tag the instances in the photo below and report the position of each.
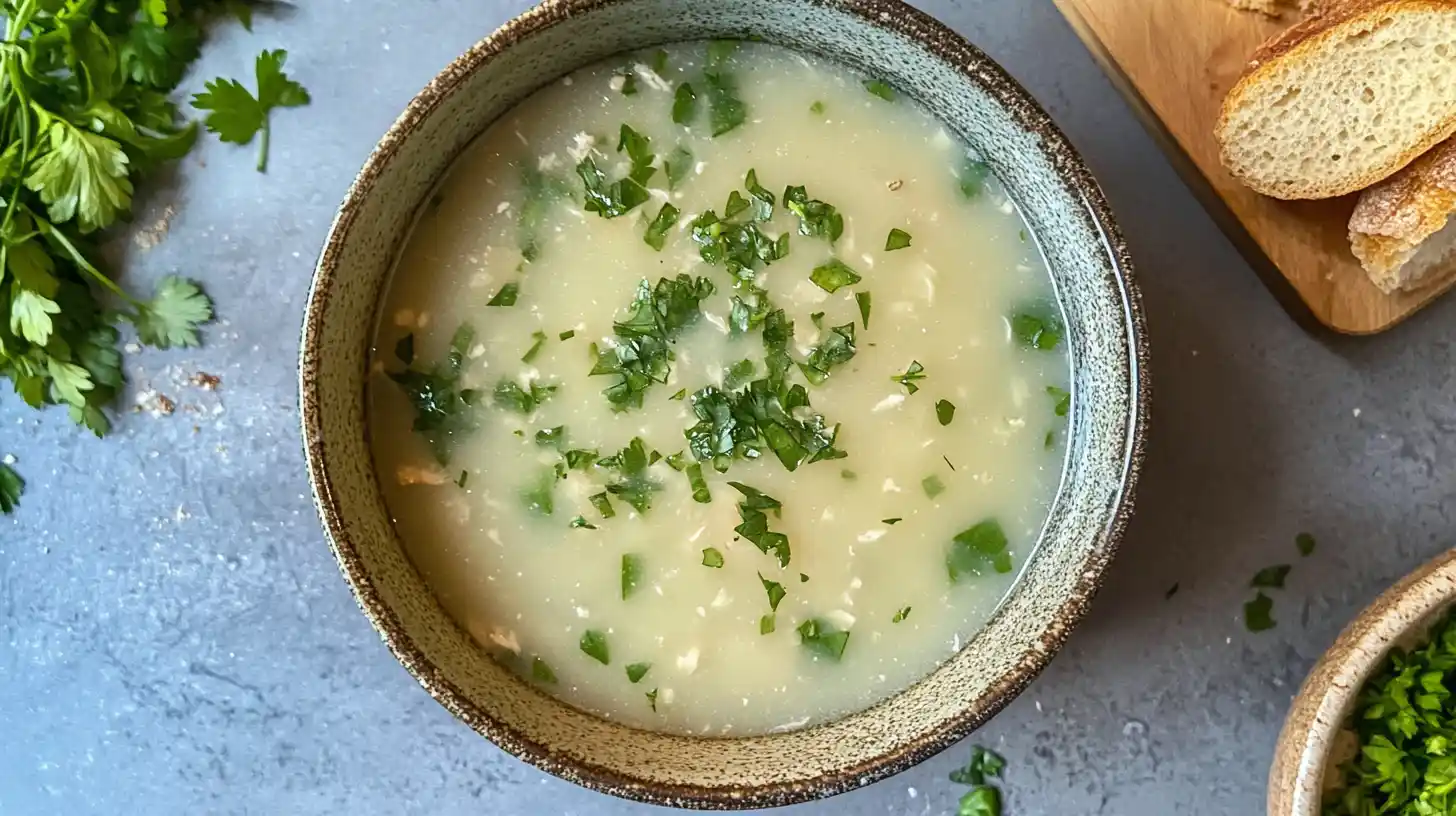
(1175, 60)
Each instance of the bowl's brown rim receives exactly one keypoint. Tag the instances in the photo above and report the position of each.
(944, 44)
(1327, 697)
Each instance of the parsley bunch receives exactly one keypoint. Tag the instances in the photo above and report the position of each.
(1406, 723)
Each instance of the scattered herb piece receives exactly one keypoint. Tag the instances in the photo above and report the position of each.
(629, 82)
(891, 521)
(610, 200)
(652, 700)
(863, 300)
(767, 624)
(657, 231)
(1172, 590)
(684, 104)
(775, 590)
(677, 165)
(1050, 440)
(234, 114)
(643, 352)
(880, 88)
(553, 438)
(602, 504)
(506, 296)
(975, 548)
(538, 497)
(1063, 398)
(817, 108)
(754, 527)
(580, 523)
(944, 412)
(442, 408)
(761, 415)
(594, 645)
(1305, 543)
(1270, 577)
(539, 338)
(541, 672)
(738, 375)
(983, 765)
(821, 639)
(578, 459)
(404, 350)
(901, 615)
(897, 239)
(1041, 332)
(659, 62)
(512, 397)
(848, 475)
(833, 275)
(539, 193)
(1257, 617)
(566, 335)
(698, 484)
(11, 486)
(803, 579)
(634, 487)
(836, 349)
(681, 394)
(912, 375)
(464, 477)
(637, 671)
(933, 486)
(631, 574)
(816, 218)
(735, 205)
(712, 558)
(726, 110)
(972, 177)
(763, 200)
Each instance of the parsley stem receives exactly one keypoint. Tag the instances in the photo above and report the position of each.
(263, 147)
(57, 233)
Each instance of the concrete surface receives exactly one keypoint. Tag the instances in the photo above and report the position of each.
(175, 638)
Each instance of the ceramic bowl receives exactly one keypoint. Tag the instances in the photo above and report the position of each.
(1315, 740)
(1071, 222)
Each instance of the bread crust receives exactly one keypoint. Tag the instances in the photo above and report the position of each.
(1395, 217)
(1333, 18)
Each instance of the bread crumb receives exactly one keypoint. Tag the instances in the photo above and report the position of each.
(205, 381)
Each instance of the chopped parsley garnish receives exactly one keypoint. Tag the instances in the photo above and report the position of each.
(816, 218)
(652, 700)
(754, 527)
(736, 246)
(1049, 440)
(537, 496)
(821, 639)
(735, 205)
(659, 62)
(880, 88)
(442, 408)
(1270, 577)
(891, 521)
(836, 349)
(629, 82)
(944, 411)
(594, 645)
(1036, 331)
(541, 672)
(738, 375)
(742, 424)
(676, 166)
(657, 231)
(912, 375)
(625, 194)
(698, 484)
(803, 579)
(983, 799)
(974, 549)
(540, 340)
(506, 296)
(775, 590)
(972, 177)
(1305, 543)
(553, 438)
(464, 477)
(637, 671)
(511, 396)
(834, 275)
(817, 108)
(684, 104)
(578, 459)
(680, 395)
(631, 574)
(863, 301)
(580, 523)
(947, 463)
(767, 624)
(602, 504)
(712, 558)
(1257, 613)
(763, 200)
(726, 110)
(678, 461)
(643, 351)
(635, 487)
(897, 239)
(539, 193)
(932, 485)
(848, 475)
(901, 615)
(1063, 400)
(566, 335)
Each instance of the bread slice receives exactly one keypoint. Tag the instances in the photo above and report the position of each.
(1402, 230)
(1343, 99)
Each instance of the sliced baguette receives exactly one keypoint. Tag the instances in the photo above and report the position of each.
(1402, 230)
(1343, 99)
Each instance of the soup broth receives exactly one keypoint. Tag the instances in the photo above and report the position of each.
(719, 390)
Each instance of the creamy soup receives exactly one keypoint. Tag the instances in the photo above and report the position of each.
(719, 391)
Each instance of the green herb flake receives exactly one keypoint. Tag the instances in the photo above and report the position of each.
(234, 114)
(602, 504)
(803, 579)
(616, 198)
(863, 300)
(983, 765)
(1063, 400)
(578, 459)
(594, 645)
(944, 411)
(726, 110)
(1050, 440)
(821, 639)
(656, 235)
(767, 624)
(1305, 542)
(848, 475)
(816, 218)
(537, 496)
(680, 395)
(652, 700)
(891, 521)
(580, 523)
(915, 373)
(933, 486)
(637, 671)
(901, 615)
(659, 62)
(539, 338)
(880, 88)
(506, 296)
(897, 239)
(464, 477)
(712, 558)
(540, 193)
(1172, 590)
(775, 590)
(541, 672)
(634, 486)
(754, 526)
(698, 484)
(978, 547)
(510, 396)
(836, 349)
(643, 354)
(1270, 577)
(1036, 331)
(1257, 613)
(763, 200)
(834, 275)
(972, 178)
(677, 166)
(631, 575)
(817, 108)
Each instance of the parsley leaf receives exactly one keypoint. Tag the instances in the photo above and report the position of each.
(726, 110)
(1037, 331)
(631, 575)
(912, 375)
(698, 484)
(862, 299)
(637, 671)
(880, 88)
(836, 349)
(684, 104)
(754, 527)
(235, 115)
(506, 296)
(676, 165)
(972, 178)
(712, 558)
(821, 639)
(1257, 617)
(1063, 398)
(541, 672)
(944, 411)
(978, 547)
(634, 487)
(657, 231)
(901, 615)
(1270, 577)
(834, 275)
(816, 218)
(643, 350)
(932, 485)
(775, 590)
(80, 175)
(594, 645)
(539, 193)
(1305, 543)
(897, 239)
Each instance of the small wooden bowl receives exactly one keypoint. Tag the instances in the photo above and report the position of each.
(1314, 740)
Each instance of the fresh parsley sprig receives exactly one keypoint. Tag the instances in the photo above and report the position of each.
(236, 116)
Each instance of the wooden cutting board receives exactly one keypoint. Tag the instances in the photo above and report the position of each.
(1175, 60)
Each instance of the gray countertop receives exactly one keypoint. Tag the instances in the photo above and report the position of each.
(175, 636)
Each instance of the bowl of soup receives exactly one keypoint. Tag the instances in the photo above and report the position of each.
(724, 406)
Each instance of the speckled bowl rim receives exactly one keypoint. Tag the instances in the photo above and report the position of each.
(1327, 697)
(941, 42)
